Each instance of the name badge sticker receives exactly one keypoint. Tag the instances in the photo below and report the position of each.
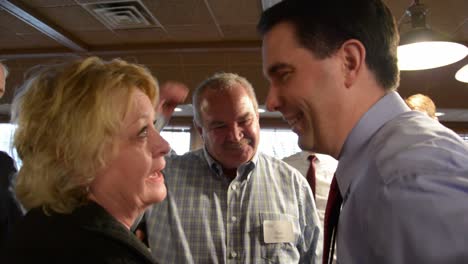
(277, 231)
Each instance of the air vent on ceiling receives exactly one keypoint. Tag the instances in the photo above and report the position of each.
(122, 14)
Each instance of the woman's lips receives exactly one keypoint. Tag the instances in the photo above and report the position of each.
(156, 176)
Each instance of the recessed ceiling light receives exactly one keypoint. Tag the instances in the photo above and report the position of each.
(178, 109)
(260, 110)
(439, 114)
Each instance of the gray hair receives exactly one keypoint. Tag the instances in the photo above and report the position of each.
(219, 82)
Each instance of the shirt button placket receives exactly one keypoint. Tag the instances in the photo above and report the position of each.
(233, 221)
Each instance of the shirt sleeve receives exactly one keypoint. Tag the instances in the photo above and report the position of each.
(420, 218)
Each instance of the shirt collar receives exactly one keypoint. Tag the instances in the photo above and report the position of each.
(243, 170)
(387, 108)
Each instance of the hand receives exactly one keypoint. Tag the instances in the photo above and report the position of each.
(171, 94)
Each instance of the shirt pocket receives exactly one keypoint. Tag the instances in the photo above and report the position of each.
(282, 252)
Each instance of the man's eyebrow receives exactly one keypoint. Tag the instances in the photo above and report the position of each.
(216, 123)
(245, 116)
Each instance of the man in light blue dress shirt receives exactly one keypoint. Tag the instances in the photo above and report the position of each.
(226, 202)
(332, 68)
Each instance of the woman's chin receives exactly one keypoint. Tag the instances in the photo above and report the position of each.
(155, 189)
(158, 195)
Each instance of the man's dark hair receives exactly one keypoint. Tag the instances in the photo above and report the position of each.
(322, 26)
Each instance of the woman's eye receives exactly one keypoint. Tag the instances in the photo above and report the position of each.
(143, 132)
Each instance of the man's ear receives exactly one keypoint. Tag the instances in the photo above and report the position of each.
(354, 59)
(198, 128)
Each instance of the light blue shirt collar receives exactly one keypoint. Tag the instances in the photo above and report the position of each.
(387, 108)
(243, 170)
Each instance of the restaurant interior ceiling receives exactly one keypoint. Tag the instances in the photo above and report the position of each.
(189, 40)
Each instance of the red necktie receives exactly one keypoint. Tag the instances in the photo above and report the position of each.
(311, 173)
(332, 213)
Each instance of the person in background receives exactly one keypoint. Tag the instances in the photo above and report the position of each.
(422, 103)
(325, 167)
(173, 93)
(402, 177)
(3, 75)
(10, 209)
(92, 163)
(227, 202)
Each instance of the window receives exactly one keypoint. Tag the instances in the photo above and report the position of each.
(178, 138)
(6, 141)
(278, 143)
(464, 137)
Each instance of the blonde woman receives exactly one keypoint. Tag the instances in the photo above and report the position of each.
(422, 103)
(92, 163)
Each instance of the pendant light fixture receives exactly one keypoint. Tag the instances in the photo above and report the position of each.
(462, 74)
(422, 48)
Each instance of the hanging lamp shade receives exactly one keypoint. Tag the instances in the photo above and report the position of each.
(462, 74)
(422, 48)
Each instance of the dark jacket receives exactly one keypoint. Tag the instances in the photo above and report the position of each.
(88, 235)
(10, 210)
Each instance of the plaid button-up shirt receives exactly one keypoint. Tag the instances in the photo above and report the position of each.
(206, 218)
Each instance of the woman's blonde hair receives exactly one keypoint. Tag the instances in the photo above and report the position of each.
(68, 116)
(422, 103)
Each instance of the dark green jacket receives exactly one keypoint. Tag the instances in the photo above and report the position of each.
(88, 235)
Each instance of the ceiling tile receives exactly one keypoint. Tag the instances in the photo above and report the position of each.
(228, 12)
(159, 59)
(461, 34)
(193, 33)
(72, 18)
(97, 37)
(240, 32)
(198, 73)
(39, 40)
(11, 23)
(26, 41)
(168, 73)
(49, 3)
(179, 12)
(204, 58)
(253, 58)
(141, 35)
